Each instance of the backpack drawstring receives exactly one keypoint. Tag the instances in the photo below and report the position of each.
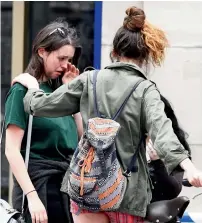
(86, 167)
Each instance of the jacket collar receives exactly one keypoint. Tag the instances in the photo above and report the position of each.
(127, 66)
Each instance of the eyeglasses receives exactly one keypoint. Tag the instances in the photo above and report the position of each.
(59, 30)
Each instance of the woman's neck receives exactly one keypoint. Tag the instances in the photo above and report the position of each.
(128, 60)
(42, 79)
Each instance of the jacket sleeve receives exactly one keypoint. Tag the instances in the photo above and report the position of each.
(160, 130)
(62, 102)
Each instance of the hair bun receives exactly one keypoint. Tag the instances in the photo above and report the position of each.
(135, 18)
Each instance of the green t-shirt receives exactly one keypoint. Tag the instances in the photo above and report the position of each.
(49, 135)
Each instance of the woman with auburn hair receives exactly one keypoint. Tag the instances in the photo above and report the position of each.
(136, 44)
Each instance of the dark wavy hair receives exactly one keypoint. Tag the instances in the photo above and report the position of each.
(180, 133)
(50, 38)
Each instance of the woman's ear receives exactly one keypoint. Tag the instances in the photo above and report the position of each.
(113, 56)
(113, 53)
(41, 52)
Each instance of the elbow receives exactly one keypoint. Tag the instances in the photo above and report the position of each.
(11, 154)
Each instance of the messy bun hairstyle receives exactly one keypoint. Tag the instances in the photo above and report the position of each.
(140, 40)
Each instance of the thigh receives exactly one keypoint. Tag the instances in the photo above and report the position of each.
(91, 218)
(119, 217)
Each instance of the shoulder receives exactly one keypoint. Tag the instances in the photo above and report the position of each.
(17, 89)
(15, 95)
(150, 91)
(14, 108)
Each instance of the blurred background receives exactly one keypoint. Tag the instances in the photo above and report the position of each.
(179, 79)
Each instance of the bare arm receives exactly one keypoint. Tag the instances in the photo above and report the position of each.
(14, 137)
(79, 123)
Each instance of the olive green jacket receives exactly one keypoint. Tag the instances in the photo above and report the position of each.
(144, 112)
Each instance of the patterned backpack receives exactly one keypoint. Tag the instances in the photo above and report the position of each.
(96, 181)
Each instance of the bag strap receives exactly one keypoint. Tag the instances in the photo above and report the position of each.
(29, 133)
(132, 166)
(27, 153)
(126, 100)
(96, 110)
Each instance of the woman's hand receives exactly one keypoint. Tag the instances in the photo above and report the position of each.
(151, 151)
(26, 80)
(36, 208)
(193, 175)
(71, 73)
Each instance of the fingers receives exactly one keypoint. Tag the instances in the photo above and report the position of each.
(77, 71)
(71, 68)
(150, 146)
(151, 150)
(71, 73)
(43, 217)
(201, 181)
(39, 217)
(26, 80)
(196, 180)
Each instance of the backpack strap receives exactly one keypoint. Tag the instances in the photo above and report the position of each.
(126, 100)
(96, 110)
(132, 166)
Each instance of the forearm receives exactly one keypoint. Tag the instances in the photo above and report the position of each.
(19, 170)
(187, 165)
(61, 102)
(161, 132)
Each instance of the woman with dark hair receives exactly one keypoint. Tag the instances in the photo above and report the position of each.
(135, 44)
(165, 186)
(55, 54)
